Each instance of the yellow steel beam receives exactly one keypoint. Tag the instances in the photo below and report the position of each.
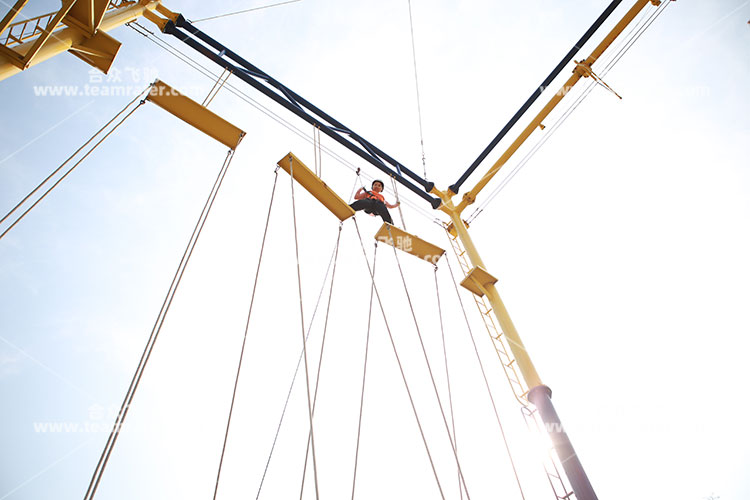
(12, 13)
(582, 70)
(485, 284)
(87, 15)
(14, 58)
(64, 39)
(194, 114)
(414, 245)
(315, 186)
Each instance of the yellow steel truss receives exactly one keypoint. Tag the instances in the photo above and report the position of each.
(79, 27)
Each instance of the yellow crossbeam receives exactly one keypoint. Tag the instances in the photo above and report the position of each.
(315, 186)
(396, 237)
(196, 115)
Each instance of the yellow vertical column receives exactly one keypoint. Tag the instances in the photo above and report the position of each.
(525, 366)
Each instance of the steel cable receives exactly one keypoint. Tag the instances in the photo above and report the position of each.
(247, 327)
(44, 195)
(398, 361)
(447, 375)
(322, 349)
(294, 377)
(429, 367)
(304, 338)
(130, 394)
(486, 380)
(364, 369)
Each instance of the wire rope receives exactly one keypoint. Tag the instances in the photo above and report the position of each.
(294, 377)
(357, 179)
(364, 369)
(658, 11)
(138, 375)
(416, 84)
(486, 380)
(322, 349)
(398, 202)
(302, 322)
(244, 11)
(316, 151)
(398, 361)
(247, 327)
(429, 367)
(447, 375)
(57, 170)
(214, 90)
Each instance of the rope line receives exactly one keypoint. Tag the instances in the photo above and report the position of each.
(44, 195)
(656, 12)
(398, 201)
(398, 361)
(125, 407)
(486, 380)
(243, 11)
(294, 377)
(447, 376)
(247, 327)
(316, 152)
(220, 83)
(354, 186)
(364, 369)
(302, 322)
(416, 84)
(322, 349)
(429, 367)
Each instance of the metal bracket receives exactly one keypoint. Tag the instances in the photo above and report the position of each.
(584, 69)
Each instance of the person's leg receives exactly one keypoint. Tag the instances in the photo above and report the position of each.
(380, 209)
(364, 204)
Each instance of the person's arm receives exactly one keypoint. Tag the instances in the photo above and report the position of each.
(392, 206)
(360, 194)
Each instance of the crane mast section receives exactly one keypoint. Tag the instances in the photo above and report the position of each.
(85, 35)
(183, 30)
(582, 70)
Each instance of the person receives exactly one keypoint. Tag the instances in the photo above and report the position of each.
(373, 202)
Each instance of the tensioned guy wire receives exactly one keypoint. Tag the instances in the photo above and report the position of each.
(138, 375)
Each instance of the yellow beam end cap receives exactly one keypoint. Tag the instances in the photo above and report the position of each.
(315, 186)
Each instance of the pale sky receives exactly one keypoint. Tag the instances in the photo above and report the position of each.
(620, 247)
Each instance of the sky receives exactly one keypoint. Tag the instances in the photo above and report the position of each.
(620, 247)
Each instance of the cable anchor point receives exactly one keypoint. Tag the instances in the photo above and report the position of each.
(583, 68)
